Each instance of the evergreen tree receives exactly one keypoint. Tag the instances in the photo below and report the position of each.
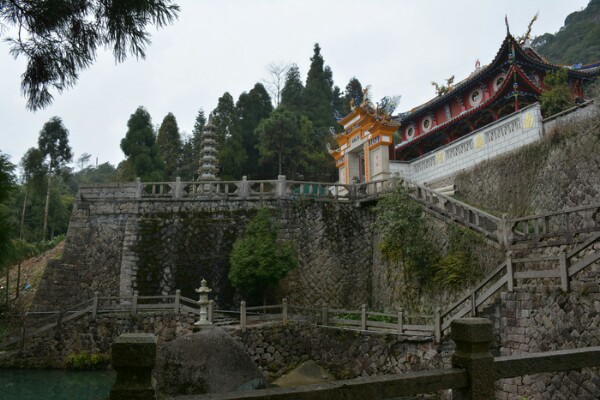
(139, 146)
(170, 147)
(60, 38)
(189, 161)
(199, 125)
(354, 94)
(291, 94)
(259, 260)
(280, 140)
(338, 103)
(252, 107)
(53, 142)
(318, 94)
(232, 154)
(7, 185)
(191, 149)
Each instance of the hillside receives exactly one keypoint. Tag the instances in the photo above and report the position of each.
(578, 41)
(31, 273)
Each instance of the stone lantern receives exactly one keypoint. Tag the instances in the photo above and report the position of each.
(203, 302)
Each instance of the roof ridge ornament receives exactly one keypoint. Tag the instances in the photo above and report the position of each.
(506, 22)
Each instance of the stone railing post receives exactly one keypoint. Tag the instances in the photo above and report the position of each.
(133, 358)
(211, 311)
(363, 317)
(138, 187)
(177, 301)
(400, 321)
(325, 315)
(177, 188)
(244, 189)
(510, 272)
(473, 337)
(284, 311)
(243, 316)
(504, 233)
(564, 271)
(281, 186)
(438, 325)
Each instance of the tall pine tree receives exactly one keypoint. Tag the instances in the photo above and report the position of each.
(232, 154)
(318, 94)
(170, 147)
(293, 89)
(252, 107)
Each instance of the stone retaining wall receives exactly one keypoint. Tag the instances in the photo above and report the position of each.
(118, 246)
(542, 318)
(346, 354)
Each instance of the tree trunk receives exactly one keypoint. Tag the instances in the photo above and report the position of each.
(18, 280)
(7, 284)
(46, 208)
(23, 213)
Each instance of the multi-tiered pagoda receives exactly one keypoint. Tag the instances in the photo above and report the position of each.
(209, 162)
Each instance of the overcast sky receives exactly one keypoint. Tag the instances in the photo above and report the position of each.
(396, 46)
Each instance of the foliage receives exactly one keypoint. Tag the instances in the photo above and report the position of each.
(53, 143)
(280, 139)
(317, 95)
(232, 154)
(353, 96)
(170, 147)
(406, 237)
(87, 361)
(259, 259)
(252, 107)
(190, 160)
(7, 184)
(60, 38)
(139, 145)
(556, 96)
(293, 89)
(578, 41)
(441, 89)
(459, 268)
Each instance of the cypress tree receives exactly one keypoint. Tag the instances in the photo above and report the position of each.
(252, 107)
(292, 92)
(139, 145)
(169, 146)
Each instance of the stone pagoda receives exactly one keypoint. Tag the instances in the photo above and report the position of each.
(209, 162)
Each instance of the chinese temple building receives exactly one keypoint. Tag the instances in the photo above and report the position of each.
(365, 145)
(511, 84)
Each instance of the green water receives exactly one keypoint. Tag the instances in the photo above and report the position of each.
(27, 384)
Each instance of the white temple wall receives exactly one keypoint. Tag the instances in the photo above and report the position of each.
(379, 163)
(505, 135)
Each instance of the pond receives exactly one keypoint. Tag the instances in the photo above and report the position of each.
(28, 384)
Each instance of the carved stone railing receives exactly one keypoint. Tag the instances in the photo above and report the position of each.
(560, 227)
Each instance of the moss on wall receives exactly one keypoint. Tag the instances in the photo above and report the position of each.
(178, 250)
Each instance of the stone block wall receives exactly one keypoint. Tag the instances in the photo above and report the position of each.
(543, 318)
(560, 171)
(116, 246)
(346, 354)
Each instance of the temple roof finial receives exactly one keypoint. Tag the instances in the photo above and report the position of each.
(506, 22)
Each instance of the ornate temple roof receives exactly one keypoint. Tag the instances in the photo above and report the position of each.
(523, 55)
